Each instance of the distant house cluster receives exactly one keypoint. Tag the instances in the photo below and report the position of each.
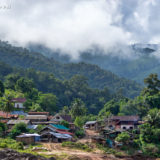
(53, 130)
(109, 128)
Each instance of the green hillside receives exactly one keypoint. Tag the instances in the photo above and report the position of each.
(97, 77)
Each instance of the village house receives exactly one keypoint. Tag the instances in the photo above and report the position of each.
(61, 117)
(92, 125)
(11, 123)
(37, 119)
(18, 103)
(47, 129)
(59, 127)
(28, 138)
(122, 122)
(55, 137)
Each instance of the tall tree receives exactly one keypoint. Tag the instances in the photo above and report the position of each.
(7, 104)
(48, 102)
(153, 84)
(10, 81)
(78, 108)
(24, 85)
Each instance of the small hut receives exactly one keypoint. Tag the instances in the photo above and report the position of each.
(28, 138)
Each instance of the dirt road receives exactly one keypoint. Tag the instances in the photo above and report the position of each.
(56, 148)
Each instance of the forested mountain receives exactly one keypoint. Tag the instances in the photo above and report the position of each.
(140, 64)
(97, 77)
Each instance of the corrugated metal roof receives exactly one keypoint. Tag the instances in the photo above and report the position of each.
(36, 117)
(18, 121)
(91, 122)
(29, 135)
(19, 113)
(58, 126)
(52, 129)
(32, 126)
(58, 135)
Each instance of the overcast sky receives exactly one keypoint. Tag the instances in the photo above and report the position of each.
(76, 25)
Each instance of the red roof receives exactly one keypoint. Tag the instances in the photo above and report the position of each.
(64, 132)
(21, 100)
(4, 121)
(5, 115)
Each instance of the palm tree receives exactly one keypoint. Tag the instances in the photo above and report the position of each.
(7, 104)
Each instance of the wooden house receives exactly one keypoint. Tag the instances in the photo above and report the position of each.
(37, 119)
(92, 125)
(19, 103)
(28, 138)
(61, 117)
(55, 137)
(47, 129)
(122, 122)
(11, 123)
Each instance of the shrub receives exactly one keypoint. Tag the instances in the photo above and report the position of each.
(65, 123)
(123, 137)
(136, 143)
(3, 145)
(150, 149)
(18, 129)
(10, 143)
(119, 154)
(80, 146)
(80, 133)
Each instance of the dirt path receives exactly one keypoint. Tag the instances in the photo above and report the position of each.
(56, 148)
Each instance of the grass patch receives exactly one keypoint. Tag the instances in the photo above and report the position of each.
(19, 147)
(113, 151)
(10, 143)
(75, 145)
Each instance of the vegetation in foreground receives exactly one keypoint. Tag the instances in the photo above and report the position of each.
(77, 145)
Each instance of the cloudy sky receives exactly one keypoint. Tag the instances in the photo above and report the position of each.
(76, 25)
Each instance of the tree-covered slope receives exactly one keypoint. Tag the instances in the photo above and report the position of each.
(134, 62)
(97, 77)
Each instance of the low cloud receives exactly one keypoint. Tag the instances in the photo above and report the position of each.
(76, 25)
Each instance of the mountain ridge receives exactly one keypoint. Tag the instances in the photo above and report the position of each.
(97, 77)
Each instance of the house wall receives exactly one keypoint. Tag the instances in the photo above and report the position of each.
(91, 126)
(57, 118)
(27, 140)
(127, 126)
(18, 105)
(45, 130)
